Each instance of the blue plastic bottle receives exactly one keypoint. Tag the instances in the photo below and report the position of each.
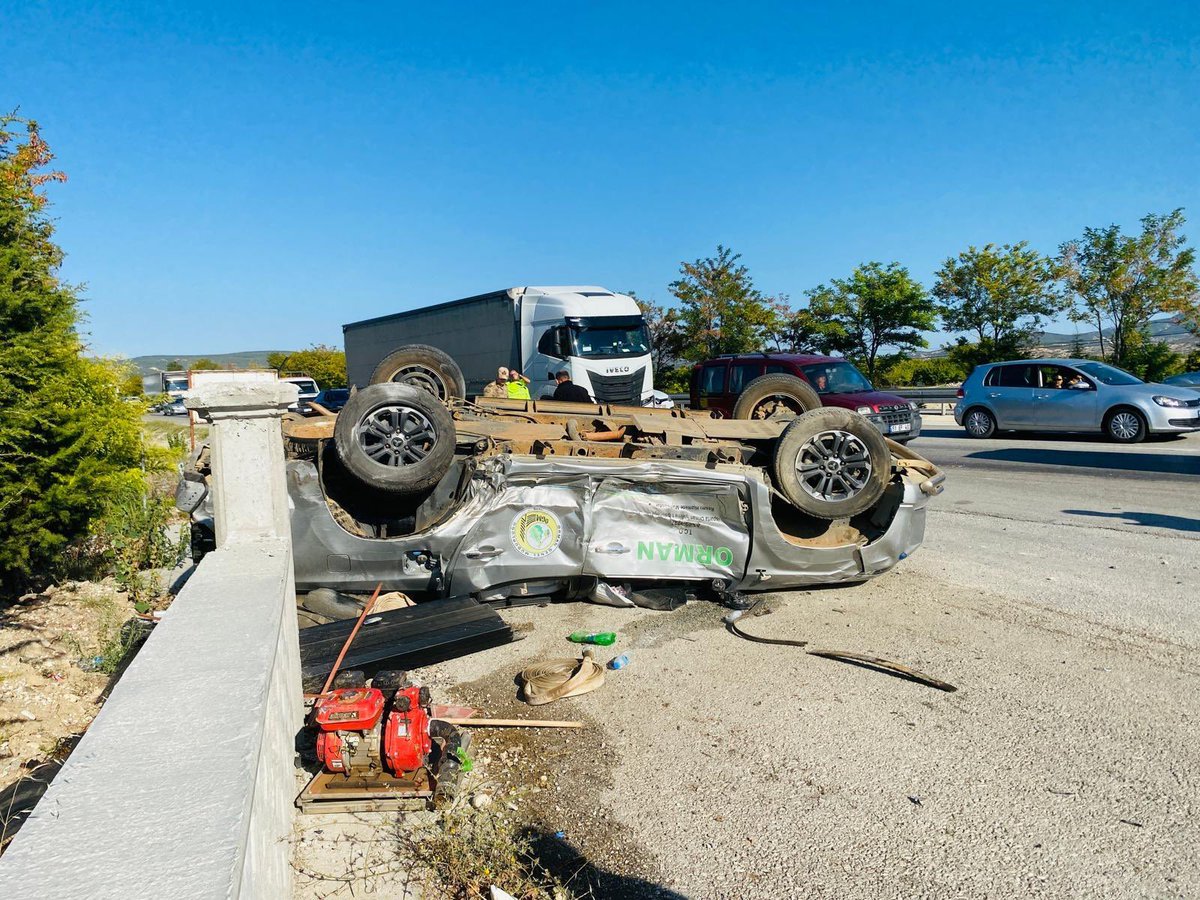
(619, 662)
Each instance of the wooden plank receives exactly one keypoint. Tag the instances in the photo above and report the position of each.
(403, 638)
(384, 634)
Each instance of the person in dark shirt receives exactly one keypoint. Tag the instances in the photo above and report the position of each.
(569, 391)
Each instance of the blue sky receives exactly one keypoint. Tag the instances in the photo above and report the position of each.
(253, 175)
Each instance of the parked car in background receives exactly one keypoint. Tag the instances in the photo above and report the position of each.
(333, 399)
(1187, 379)
(308, 391)
(765, 386)
(1072, 395)
(175, 408)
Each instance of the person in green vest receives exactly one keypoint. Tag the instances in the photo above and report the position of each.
(518, 386)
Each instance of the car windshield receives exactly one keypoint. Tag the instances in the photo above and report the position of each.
(609, 340)
(337, 394)
(1109, 374)
(305, 387)
(836, 378)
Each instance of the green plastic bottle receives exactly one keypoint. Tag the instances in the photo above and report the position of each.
(604, 638)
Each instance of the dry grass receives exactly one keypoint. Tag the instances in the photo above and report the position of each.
(470, 850)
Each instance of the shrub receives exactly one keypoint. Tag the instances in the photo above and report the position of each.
(923, 372)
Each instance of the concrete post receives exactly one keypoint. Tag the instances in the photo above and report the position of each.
(249, 492)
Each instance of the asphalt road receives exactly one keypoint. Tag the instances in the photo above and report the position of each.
(1056, 588)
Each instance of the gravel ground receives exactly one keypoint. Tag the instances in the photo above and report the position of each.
(1066, 765)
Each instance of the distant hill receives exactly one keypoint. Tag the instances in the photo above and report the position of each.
(246, 359)
(1056, 343)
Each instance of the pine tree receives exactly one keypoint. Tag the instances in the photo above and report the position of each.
(68, 443)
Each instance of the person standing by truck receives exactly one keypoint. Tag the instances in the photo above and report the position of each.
(568, 391)
(518, 386)
(497, 388)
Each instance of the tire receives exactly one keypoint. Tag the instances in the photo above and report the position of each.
(425, 367)
(775, 396)
(832, 463)
(1125, 425)
(979, 423)
(396, 438)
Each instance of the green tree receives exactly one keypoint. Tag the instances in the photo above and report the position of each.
(799, 330)
(1149, 359)
(877, 306)
(131, 383)
(69, 445)
(324, 364)
(204, 364)
(666, 335)
(1119, 282)
(1000, 294)
(175, 365)
(720, 310)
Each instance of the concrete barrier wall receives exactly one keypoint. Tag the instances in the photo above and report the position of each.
(183, 785)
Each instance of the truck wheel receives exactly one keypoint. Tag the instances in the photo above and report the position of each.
(775, 397)
(831, 463)
(396, 438)
(425, 367)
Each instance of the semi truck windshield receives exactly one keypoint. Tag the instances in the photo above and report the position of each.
(608, 339)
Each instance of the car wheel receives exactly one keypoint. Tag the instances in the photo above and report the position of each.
(396, 438)
(425, 367)
(776, 397)
(1125, 425)
(831, 463)
(979, 423)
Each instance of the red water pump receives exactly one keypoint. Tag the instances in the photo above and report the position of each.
(381, 741)
(356, 738)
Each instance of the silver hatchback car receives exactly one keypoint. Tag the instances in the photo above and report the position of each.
(1072, 395)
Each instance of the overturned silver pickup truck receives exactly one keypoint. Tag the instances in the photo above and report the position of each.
(414, 487)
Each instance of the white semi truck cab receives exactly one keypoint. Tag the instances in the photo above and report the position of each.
(595, 334)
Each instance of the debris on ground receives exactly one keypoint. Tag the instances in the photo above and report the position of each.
(557, 678)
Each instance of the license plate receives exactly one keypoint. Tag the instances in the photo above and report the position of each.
(896, 429)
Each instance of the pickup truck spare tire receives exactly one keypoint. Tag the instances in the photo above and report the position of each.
(775, 396)
(395, 438)
(831, 463)
(425, 367)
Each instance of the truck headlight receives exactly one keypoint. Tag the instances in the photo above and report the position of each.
(1169, 401)
(866, 410)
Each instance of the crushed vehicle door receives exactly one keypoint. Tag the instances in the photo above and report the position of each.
(530, 531)
(677, 530)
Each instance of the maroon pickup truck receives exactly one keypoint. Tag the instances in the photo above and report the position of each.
(762, 385)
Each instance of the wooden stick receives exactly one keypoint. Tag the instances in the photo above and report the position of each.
(511, 723)
(350, 640)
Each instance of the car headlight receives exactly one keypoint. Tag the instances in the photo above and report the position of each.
(1169, 401)
(866, 410)
(914, 405)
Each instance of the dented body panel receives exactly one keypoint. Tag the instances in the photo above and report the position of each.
(534, 524)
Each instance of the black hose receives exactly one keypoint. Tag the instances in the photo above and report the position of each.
(731, 621)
